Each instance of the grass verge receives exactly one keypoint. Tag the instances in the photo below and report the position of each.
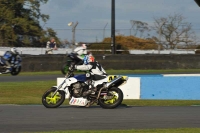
(31, 93)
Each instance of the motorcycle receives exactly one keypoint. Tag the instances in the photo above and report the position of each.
(15, 64)
(71, 59)
(108, 94)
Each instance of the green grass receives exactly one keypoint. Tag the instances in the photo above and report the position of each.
(23, 92)
(31, 93)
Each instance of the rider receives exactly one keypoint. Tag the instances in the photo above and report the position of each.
(96, 71)
(9, 57)
(80, 52)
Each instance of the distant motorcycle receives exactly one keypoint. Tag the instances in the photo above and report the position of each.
(71, 59)
(15, 64)
(108, 95)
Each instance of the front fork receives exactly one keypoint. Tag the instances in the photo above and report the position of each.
(60, 86)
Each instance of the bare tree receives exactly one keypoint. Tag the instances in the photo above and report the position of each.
(190, 39)
(139, 26)
(174, 30)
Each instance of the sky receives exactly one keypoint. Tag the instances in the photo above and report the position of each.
(94, 16)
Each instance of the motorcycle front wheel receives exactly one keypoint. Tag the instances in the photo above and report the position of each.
(16, 71)
(112, 100)
(53, 102)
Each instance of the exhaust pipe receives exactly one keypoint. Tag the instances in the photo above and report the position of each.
(113, 82)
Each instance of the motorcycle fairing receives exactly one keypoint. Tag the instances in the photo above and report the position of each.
(112, 77)
(80, 77)
(1, 61)
(7, 55)
(98, 82)
(108, 79)
(78, 101)
(70, 81)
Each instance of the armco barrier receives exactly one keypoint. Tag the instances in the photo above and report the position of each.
(166, 87)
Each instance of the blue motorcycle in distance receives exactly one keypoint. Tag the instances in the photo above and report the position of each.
(15, 64)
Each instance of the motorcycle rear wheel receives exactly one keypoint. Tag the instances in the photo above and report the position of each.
(117, 98)
(65, 68)
(53, 102)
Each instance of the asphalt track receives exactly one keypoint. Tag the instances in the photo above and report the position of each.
(37, 118)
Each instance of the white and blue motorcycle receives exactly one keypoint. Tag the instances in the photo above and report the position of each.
(15, 64)
(108, 95)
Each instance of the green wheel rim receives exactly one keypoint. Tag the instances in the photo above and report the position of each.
(53, 100)
(111, 101)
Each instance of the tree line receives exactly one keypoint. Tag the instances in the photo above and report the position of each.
(20, 26)
(20, 23)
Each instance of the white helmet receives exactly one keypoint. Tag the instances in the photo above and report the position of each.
(13, 50)
(84, 45)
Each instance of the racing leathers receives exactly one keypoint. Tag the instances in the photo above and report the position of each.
(96, 72)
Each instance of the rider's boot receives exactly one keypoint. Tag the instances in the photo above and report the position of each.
(8, 69)
(90, 91)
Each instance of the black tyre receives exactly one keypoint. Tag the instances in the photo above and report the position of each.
(53, 102)
(116, 99)
(65, 68)
(16, 71)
